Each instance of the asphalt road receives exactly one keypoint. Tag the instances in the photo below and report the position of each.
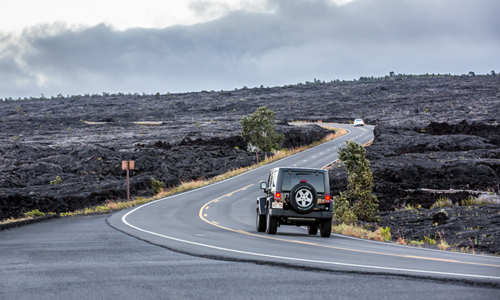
(84, 258)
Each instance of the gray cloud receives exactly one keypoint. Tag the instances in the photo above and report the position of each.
(300, 40)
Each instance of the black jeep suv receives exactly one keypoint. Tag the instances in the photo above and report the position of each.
(296, 196)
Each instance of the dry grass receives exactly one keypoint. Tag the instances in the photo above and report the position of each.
(442, 202)
(12, 220)
(471, 201)
(416, 243)
(31, 215)
(411, 207)
(111, 206)
(443, 245)
(338, 131)
(369, 143)
(401, 241)
(360, 232)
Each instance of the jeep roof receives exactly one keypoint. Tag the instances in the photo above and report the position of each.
(299, 169)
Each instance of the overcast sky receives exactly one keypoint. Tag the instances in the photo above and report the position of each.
(90, 46)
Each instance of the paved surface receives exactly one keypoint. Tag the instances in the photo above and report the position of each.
(84, 258)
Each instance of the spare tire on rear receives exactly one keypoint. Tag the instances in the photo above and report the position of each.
(303, 198)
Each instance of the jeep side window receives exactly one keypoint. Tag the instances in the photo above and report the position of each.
(275, 179)
(270, 182)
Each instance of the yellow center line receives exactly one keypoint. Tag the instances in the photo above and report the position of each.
(214, 223)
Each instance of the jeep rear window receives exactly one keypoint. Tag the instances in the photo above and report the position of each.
(292, 178)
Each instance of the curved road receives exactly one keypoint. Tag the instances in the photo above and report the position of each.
(219, 221)
(83, 258)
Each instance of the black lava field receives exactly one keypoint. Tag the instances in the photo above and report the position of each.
(435, 135)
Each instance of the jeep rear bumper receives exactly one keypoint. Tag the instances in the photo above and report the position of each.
(314, 215)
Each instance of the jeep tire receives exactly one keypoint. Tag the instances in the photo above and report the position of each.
(313, 229)
(271, 224)
(303, 198)
(260, 222)
(325, 228)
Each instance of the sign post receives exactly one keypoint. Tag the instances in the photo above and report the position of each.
(128, 165)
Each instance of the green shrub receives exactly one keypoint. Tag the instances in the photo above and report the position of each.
(467, 201)
(343, 212)
(360, 182)
(442, 202)
(416, 243)
(34, 213)
(429, 241)
(386, 233)
(67, 214)
(20, 110)
(157, 185)
(411, 207)
(58, 180)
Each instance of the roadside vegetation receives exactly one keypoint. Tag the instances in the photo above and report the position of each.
(29, 215)
(382, 234)
(469, 201)
(258, 131)
(161, 191)
(357, 202)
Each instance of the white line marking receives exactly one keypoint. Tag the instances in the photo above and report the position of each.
(124, 220)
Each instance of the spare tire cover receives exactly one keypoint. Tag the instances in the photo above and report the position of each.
(303, 198)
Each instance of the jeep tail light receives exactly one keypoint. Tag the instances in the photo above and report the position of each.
(303, 181)
(328, 198)
(277, 196)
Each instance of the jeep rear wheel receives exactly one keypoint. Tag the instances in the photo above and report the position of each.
(325, 228)
(260, 222)
(272, 224)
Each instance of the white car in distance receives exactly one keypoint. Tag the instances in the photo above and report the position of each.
(359, 122)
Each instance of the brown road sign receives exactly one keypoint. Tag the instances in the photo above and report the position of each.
(128, 165)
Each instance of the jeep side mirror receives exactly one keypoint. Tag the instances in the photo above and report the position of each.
(263, 185)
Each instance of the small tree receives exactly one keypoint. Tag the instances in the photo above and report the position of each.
(258, 130)
(360, 182)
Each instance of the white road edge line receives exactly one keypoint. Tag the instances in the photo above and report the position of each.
(124, 220)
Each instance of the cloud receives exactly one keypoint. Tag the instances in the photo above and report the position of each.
(208, 9)
(297, 41)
